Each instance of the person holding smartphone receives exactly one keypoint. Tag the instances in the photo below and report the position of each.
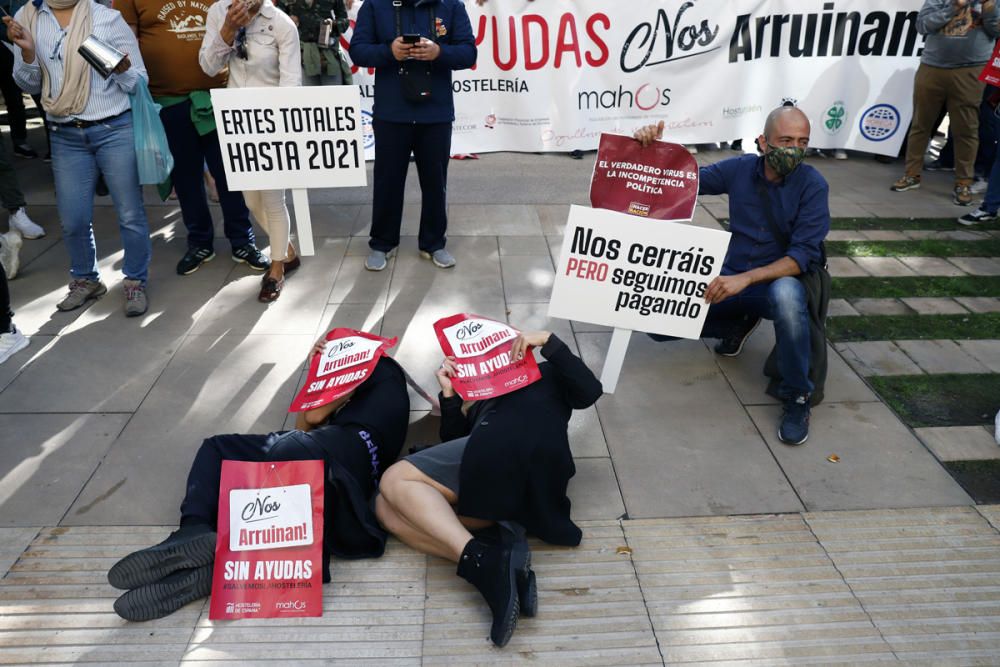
(414, 45)
(260, 45)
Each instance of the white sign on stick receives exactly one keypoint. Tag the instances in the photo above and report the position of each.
(277, 138)
(632, 273)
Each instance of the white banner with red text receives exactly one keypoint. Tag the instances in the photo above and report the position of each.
(552, 75)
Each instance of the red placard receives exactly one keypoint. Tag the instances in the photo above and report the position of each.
(481, 347)
(659, 181)
(268, 557)
(991, 73)
(348, 360)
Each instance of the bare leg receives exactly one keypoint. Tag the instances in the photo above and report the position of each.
(419, 511)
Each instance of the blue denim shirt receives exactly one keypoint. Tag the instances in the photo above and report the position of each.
(800, 204)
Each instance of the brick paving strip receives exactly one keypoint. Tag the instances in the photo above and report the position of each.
(789, 589)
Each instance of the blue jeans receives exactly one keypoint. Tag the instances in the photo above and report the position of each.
(78, 156)
(192, 152)
(784, 302)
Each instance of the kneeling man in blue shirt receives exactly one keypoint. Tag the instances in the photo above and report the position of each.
(759, 275)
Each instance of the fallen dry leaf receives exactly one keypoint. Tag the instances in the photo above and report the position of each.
(624, 551)
(833, 458)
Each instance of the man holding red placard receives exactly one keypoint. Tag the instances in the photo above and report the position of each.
(505, 459)
(355, 435)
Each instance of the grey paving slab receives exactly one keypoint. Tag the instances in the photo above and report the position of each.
(959, 443)
(326, 219)
(409, 226)
(493, 220)
(925, 305)
(883, 235)
(523, 246)
(476, 275)
(960, 235)
(13, 541)
(527, 279)
(889, 267)
(941, 356)
(978, 266)
(848, 210)
(881, 357)
(17, 363)
(881, 464)
(841, 308)
(594, 490)
(355, 284)
(235, 308)
(674, 429)
(932, 266)
(229, 383)
(846, 235)
(980, 304)
(360, 316)
(552, 217)
(47, 460)
(986, 352)
(844, 267)
(880, 307)
(746, 372)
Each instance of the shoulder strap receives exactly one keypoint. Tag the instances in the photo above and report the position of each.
(397, 7)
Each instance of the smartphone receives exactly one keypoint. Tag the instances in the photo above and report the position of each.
(411, 39)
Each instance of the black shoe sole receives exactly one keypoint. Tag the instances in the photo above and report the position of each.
(148, 566)
(196, 266)
(502, 631)
(742, 343)
(164, 597)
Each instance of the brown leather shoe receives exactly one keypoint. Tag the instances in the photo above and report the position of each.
(270, 289)
(292, 264)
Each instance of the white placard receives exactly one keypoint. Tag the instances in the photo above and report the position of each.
(299, 138)
(633, 273)
(270, 518)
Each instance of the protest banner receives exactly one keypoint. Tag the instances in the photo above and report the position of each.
(268, 557)
(347, 360)
(554, 75)
(481, 347)
(295, 138)
(991, 72)
(657, 181)
(632, 274)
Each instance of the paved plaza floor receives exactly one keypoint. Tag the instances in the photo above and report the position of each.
(706, 539)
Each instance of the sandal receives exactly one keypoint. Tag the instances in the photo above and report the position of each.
(270, 289)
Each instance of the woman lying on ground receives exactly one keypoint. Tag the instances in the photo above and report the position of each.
(503, 461)
(354, 436)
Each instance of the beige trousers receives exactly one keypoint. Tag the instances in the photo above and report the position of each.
(269, 210)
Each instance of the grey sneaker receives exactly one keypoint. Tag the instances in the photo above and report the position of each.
(82, 290)
(10, 246)
(441, 258)
(378, 260)
(136, 302)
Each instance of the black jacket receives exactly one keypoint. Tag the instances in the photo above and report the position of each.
(517, 463)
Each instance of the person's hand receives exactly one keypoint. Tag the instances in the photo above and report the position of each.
(724, 287)
(123, 66)
(400, 49)
(527, 340)
(238, 16)
(444, 374)
(961, 3)
(425, 50)
(318, 348)
(22, 37)
(295, 19)
(648, 134)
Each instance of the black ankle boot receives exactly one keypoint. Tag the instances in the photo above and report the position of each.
(510, 533)
(492, 569)
(187, 547)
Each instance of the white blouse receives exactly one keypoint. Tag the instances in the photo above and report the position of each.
(273, 56)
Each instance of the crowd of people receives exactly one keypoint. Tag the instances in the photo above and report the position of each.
(496, 476)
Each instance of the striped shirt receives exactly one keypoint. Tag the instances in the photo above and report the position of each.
(108, 97)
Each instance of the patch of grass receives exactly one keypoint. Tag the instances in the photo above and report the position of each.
(894, 288)
(898, 224)
(922, 248)
(980, 479)
(970, 326)
(941, 400)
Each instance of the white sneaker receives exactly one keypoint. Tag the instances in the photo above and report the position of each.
(979, 186)
(11, 343)
(840, 154)
(20, 221)
(10, 246)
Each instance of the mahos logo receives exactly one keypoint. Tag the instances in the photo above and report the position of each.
(645, 98)
(879, 122)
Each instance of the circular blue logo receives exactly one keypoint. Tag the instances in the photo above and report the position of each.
(879, 122)
(367, 129)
